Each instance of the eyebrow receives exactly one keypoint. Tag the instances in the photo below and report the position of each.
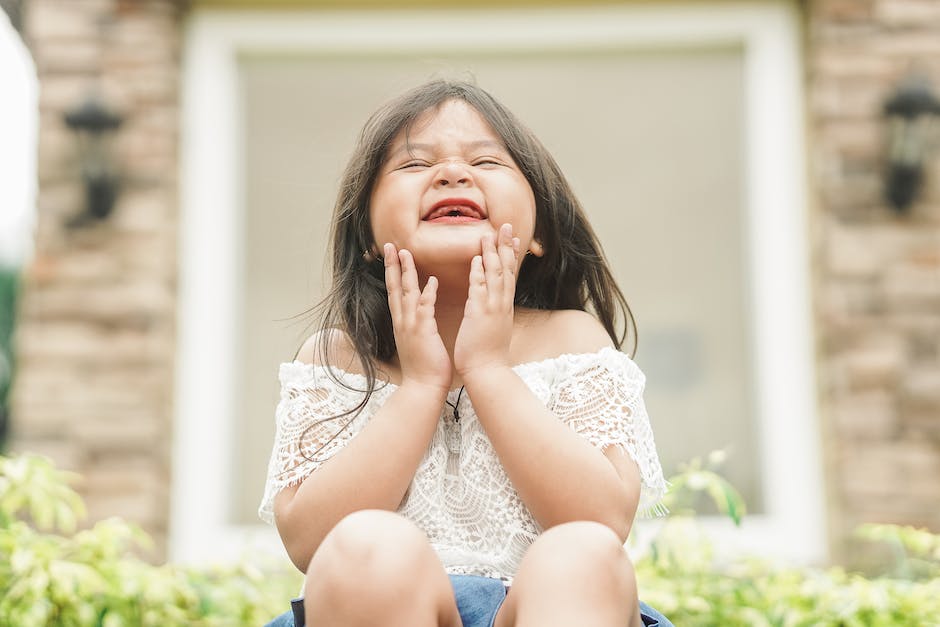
(480, 143)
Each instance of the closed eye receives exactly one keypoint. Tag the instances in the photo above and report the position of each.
(490, 162)
(413, 165)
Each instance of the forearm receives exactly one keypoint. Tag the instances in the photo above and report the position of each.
(372, 471)
(559, 475)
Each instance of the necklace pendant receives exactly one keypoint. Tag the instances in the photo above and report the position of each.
(453, 438)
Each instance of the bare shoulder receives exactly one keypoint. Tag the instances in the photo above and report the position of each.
(552, 333)
(582, 332)
(339, 350)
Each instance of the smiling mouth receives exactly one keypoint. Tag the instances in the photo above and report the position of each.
(453, 215)
(455, 210)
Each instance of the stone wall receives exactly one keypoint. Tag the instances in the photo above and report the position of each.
(877, 271)
(95, 338)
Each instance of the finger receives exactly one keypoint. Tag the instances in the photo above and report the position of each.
(492, 267)
(426, 304)
(477, 292)
(507, 254)
(410, 291)
(393, 280)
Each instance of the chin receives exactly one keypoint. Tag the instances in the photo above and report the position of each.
(454, 254)
(431, 259)
(451, 244)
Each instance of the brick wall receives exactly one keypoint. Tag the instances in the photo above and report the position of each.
(96, 338)
(877, 272)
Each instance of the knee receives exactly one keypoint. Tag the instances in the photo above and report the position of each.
(583, 549)
(368, 545)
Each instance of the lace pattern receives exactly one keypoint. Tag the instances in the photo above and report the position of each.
(460, 495)
(602, 400)
(311, 424)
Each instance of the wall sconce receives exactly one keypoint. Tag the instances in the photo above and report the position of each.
(911, 112)
(94, 124)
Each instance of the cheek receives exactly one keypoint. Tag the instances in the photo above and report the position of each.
(388, 226)
(375, 224)
(524, 190)
(531, 213)
(378, 212)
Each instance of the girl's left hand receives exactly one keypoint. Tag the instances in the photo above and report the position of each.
(486, 329)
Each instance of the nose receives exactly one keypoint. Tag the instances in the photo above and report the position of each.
(453, 173)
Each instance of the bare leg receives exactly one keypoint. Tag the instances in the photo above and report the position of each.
(574, 574)
(376, 568)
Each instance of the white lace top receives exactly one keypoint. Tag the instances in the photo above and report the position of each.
(460, 495)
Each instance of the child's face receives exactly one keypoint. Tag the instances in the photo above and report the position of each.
(451, 184)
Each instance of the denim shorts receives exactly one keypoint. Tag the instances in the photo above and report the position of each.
(478, 600)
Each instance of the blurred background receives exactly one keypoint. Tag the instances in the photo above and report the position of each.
(762, 174)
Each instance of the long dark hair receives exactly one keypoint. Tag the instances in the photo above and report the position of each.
(573, 272)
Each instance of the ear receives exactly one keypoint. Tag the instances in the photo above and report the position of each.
(535, 247)
(371, 254)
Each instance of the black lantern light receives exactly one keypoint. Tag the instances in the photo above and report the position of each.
(94, 123)
(911, 113)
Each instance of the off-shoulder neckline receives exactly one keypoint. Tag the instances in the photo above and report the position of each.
(525, 365)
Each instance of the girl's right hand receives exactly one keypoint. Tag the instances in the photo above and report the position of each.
(421, 351)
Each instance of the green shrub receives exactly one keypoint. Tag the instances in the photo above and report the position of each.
(52, 575)
(679, 576)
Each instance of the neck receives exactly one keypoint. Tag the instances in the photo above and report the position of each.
(448, 312)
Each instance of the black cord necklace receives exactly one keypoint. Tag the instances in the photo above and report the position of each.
(454, 405)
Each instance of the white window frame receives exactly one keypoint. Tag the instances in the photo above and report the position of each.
(768, 32)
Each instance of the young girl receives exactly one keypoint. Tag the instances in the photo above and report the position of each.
(462, 443)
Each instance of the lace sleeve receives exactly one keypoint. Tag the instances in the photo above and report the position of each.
(308, 431)
(600, 396)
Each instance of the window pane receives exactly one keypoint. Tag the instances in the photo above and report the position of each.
(652, 143)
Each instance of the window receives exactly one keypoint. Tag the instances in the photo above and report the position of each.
(678, 130)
